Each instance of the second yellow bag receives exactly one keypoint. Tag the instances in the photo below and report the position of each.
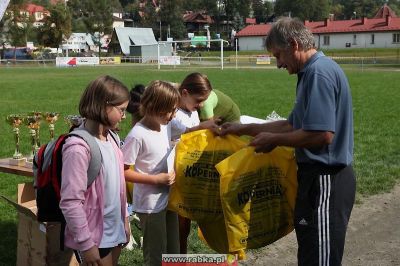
(258, 192)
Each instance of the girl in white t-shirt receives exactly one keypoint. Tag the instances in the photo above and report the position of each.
(194, 90)
(147, 146)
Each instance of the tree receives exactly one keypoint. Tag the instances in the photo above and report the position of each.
(394, 5)
(149, 17)
(56, 28)
(18, 26)
(337, 11)
(236, 8)
(261, 11)
(124, 3)
(44, 3)
(237, 21)
(210, 6)
(132, 11)
(313, 10)
(94, 15)
(171, 13)
(359, 8)
(320, 10)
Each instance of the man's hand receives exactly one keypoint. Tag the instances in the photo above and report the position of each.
(263, 142)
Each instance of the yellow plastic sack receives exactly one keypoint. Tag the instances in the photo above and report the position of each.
(217, 240)
(196, 192)
(129, 189)
(258, 192)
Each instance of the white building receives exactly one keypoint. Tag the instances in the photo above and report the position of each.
(382, 31)
(79, 42)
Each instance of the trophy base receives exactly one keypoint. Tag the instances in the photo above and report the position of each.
(28, 164)
(18, 162)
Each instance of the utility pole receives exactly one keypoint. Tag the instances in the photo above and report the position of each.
(160, 30)
(159, 14)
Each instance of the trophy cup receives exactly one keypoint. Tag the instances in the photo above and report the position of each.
(15, 121)
(38, 117)
(51, 118)
(74, 120)
(33, 123)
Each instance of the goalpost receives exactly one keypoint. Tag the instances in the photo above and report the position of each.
(174, 60)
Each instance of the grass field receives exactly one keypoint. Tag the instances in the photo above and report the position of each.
(257, 91)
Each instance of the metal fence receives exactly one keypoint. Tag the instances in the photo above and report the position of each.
(231, 61)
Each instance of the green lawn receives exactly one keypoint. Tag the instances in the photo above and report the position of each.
(257, 91)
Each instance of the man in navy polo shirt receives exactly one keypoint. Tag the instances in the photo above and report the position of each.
(320, 127)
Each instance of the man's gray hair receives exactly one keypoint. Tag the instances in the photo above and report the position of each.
(284, 30)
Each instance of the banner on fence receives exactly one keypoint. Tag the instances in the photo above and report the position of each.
(263, 60)
(76, 61)
(170, 60)
(110, 60)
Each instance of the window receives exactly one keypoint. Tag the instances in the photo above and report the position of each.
(354, 39)
(372, 38)
(396, 37)
(326, 40)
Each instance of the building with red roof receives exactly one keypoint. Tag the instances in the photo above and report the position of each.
(252, 37)
(37, 12)
(197, 21)
(382, 31)
(357, 33)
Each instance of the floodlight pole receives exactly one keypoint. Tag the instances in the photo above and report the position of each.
(158, 55)
(222, 54)
(236, 48)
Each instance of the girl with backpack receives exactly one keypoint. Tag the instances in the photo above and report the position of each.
(147, 146)
(97, 225)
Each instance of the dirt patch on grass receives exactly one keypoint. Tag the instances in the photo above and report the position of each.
(373, 236)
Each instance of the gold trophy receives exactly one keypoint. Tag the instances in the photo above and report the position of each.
(38, 117)
(15, 121)
(33, 123)
(74, 120)
(51, 118)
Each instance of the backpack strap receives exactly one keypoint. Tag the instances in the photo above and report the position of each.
(96, 158)
(115, 137)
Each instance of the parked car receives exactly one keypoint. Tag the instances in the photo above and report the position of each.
(20, 53)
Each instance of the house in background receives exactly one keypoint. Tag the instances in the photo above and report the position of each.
(35, 13)
(38, 13)
(79, 43)
(197, 22)
(118, 21)
(382, 31)
(252, 37)
(137, 42)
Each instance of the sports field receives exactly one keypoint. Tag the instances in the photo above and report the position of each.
(257, 91)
